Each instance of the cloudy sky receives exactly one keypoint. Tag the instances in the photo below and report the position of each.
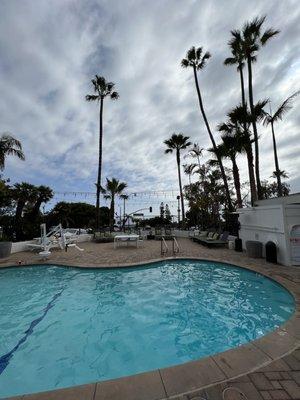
(50, 50)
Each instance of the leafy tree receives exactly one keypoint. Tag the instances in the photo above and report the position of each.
(206, 198)
(162, 210)
(189, 169)
(196, 60)
(154, 222)
(168, 216)
(43, 195)
(23, 194)
(112, 189)
(195, 152)
(102, 89)
(270, 189)
(177, 143)
(253, 38)
(76, 215)
(5, 196)
(270, 119)
(9, 146)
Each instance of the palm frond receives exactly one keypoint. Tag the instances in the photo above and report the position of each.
(185, 63)
(284, 107)
(114, 95)
(259, 112)
(92, 97)
(17, 153)
(230, 61)
(203, 62)
(267, 119)
(191, 54)
(199, 53)
(268, 34)
(110, 86)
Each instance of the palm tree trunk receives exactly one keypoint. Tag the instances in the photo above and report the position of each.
(229, 203)
(257, 173)
(98, 185)
(124, 215)
(242, 85)
(112, 212)
(237, 182)
(250, 158)
(180, 188)
(279, 185)
(250, 155)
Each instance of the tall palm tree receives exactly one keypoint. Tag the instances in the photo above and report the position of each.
(236, 47)
(112, 189)
(9, 146)
(44, 194)
(253, 38)
(177, 143)
(124, 197)
(239, 120)
(270, 119)
(189, 169)
(102, 89)
(229, 148)
(196, 60)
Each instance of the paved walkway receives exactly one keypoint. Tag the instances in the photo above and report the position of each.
(266, 369)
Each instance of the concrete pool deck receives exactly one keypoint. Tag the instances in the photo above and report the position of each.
(264, 369)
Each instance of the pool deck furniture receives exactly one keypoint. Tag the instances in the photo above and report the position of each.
(265, 369)
(201, 235)
(218, 242)
(128, 239)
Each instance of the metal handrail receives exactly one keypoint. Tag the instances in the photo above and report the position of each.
(163, 246)
(176, 248)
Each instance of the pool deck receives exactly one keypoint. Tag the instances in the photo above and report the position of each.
(265, 369)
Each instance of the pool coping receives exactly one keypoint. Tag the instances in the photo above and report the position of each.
(190, 377)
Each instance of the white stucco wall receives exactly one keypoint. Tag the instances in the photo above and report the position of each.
(272, 222)
(265, 224)
(21, 246)
(292, 218)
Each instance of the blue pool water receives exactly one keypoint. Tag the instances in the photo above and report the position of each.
(64, 326)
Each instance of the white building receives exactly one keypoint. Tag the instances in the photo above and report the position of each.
(276, 220)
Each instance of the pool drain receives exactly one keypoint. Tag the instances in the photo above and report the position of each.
(233, 393)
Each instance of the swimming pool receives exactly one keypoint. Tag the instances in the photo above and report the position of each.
(64, 326)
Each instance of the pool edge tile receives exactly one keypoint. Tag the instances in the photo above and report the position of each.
(241, 360)
(190, 376)
(81, 392)
(144, 386)
(277, 343)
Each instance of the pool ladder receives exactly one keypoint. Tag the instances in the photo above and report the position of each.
(164, 249)
(175, 246)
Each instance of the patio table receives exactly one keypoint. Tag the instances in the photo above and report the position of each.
(127, 239)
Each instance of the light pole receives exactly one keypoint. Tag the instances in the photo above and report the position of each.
(178, 209)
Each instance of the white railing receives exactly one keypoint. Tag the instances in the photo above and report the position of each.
(163, 246)
(176, 248)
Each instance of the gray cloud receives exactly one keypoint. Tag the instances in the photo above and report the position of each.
(49, 51)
